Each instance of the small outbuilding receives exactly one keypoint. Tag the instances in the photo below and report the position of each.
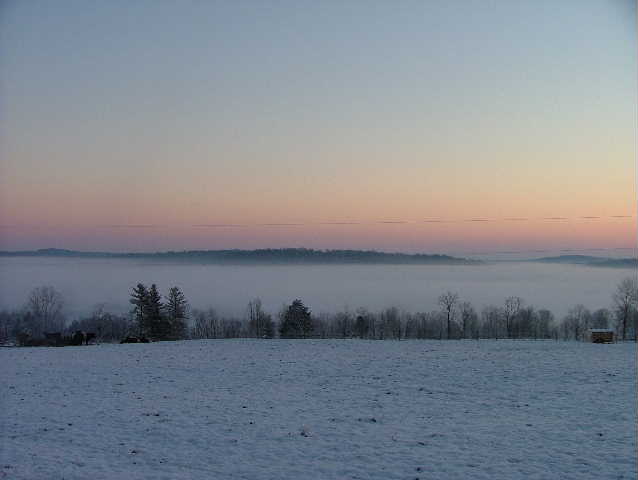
(601, 335)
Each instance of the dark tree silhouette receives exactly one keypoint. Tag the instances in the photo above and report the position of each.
(448, 302)
(468, 318)
(176, 309)
(140, 312)
(510, 310)
(625, 300)
(159, 326)
(45, 305)
(361, 326)
(296, 321)
(260, 323)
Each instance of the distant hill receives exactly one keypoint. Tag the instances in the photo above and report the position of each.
(266, 256)
(589, 261)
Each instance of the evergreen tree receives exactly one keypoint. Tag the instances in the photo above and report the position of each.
(159, 328)
(296, 321)
(139, 299)
(176, 309)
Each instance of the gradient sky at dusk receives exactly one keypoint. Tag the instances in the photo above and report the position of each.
(145, 125)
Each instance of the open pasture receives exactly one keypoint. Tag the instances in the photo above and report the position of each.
(293, 409)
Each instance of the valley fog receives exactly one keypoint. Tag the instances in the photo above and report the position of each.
(324, 288)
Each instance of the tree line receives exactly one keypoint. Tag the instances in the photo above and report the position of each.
(263, 255)
(169, 317)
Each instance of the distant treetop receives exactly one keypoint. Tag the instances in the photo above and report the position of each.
(269, 255)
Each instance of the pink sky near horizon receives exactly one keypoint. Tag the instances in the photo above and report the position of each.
(118, 116)
(454, 237)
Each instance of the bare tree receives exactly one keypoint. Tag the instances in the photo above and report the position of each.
(45, 304)
(600, 318)
(511, 309)
(625, 300)
(448, 302)
(107, 326)
(491, 319)
(344, 324)
(254, 317)
(526, 323)
(260, 323)
(545, 323)
(6, 322)
(391, 323)
(206, 324)
(576, 323)
(364, 324)
(468, 317)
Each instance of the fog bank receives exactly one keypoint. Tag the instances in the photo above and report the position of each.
(325, 288)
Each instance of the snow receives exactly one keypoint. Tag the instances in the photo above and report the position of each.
(301, 409)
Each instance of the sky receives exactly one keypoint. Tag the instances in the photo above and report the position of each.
(417, 126)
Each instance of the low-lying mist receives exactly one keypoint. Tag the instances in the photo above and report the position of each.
(324, 288)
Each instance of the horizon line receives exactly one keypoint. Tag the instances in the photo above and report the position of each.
(562, 249)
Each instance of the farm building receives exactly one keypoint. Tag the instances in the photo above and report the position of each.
(601, 335)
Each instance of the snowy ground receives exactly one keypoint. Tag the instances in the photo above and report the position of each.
(369, 410)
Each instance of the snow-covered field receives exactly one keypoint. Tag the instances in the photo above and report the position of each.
(259, 409)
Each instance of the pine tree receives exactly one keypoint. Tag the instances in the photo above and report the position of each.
(139, 299)
(159, 328)
(296, 321)
(177, 312)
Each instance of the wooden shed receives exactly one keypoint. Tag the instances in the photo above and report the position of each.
(601, 335)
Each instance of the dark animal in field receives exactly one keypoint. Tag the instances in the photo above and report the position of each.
(53, 339)
(88, 337)
(78, 338)
(23, 339)
(130, 340)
